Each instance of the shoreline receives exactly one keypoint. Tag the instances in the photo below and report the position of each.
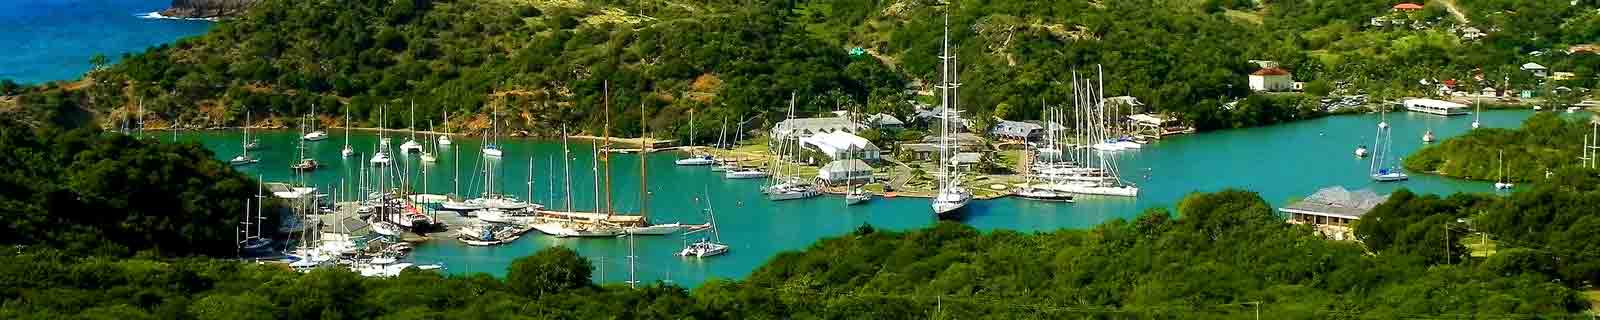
(156, 15)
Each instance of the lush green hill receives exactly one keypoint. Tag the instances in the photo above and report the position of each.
(1545, 143)
(1227, 257)
(540, 63)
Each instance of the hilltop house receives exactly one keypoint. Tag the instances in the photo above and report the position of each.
(1536, 69)
(1332, 210)
(1271, 79)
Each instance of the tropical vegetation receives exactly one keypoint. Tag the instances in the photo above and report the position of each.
(1543, 144)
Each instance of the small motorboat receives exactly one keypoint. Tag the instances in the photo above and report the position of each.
(315, 136)
(492, 151)
(243, 160)
(1427, 137)
(701, 160)
(305, 165)
(1361, 151)
(746, 173)
(1503, 185)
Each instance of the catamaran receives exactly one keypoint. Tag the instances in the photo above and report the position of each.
(695, 160)
(314, 134)
(705, 246)
(951, 199)
(244, 156)
(1379, 169)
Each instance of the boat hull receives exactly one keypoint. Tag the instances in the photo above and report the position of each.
(1120, 191)
(950, 210)
(1390, 177)
(695, 162)
(793, 195)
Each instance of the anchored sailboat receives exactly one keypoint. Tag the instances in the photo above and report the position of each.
(785, 185)
(380, 157)
(347, 151)
(693, 159)
(952, 198)
(491, 149)
(1502, 183)
(244, 156)
(444, 139)
(411, 145)
(705, 246)
(314, 134)
(1380, 169)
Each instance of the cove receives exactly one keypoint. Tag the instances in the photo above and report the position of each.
(1281, 162)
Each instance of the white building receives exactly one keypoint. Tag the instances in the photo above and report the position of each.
(806, 127)
(1435, 107)
(1271, 79)
(842, 145)
(1536, 69)
(847, 170)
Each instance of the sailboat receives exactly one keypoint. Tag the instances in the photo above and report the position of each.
(314, 134)
(1101, 176)
(244, 157)
(695, 160)
(411, 145)
(1379, 169)
(306, 163)
(347, 151)
(1502, 183)
(722, 165)
(444, 139)
(427, 156)
(381, 156)
(644, 182)
(951, 200)
(491, 149)
(1476, 110)
(254, 243)
(785, 186)
(705, 246)
(857, 195)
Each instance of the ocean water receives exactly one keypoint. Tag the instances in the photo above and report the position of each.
(47, 40)
(1280, 162)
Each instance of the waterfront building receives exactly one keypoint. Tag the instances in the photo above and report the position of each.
(848, 171)
(793, 129)
(1271, 79)
(1332, 210)
(842, 145)
(1435, 107)
(1017, 130)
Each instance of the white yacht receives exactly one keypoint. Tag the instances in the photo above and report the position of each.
(746, 173)
(314, 134)
(952, 199)
(699, 160)
(444, 139)
(1379, 169)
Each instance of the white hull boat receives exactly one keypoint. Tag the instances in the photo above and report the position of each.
(703, 248)
(1385, 176)
(492, 151)
(951, 203)
(382, 158)
(1044, 194)
(315, 136)
(410, 146)
(657, 230)
(444, 140)
(347, 152)
(243, 161)
(746, 174)
(696, 161)
(1097, 189)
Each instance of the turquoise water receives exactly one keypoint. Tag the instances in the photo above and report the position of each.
(1280, 162)
(46, 40)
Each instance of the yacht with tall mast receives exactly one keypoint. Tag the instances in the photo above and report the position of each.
(411, 145)
(491, 147)
(785, 185)
(444, 139)
(1380, 169)
(380, 157)
(706, 246)
(313, 134)
(1501, 182)
(695, 159)
(347, 151)
(244, 159)
(951, 199)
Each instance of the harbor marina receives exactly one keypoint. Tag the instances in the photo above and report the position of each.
(1288, 161)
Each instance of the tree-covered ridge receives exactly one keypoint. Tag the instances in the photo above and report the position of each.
(1545, 143)
(91, 192)
(1227, 252)
(1225, 257)
(542, 63)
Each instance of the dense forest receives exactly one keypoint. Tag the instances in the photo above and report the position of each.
(1222, 255)
(1545, 143)
(92, 192)
(545, 62)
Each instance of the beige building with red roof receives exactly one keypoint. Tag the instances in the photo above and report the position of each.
(1271, 79)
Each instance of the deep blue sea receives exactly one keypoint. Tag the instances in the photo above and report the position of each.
(47, 40)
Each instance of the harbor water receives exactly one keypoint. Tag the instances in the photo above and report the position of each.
(47, 40)
(1281, 162)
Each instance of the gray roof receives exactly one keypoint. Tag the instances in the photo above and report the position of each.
(1336, 201)
(884, 119)
(920, 147)
(1015, 128)
(963, 138)
(808, 126)
(966, 158)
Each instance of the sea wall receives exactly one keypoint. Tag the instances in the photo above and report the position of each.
(206, 8)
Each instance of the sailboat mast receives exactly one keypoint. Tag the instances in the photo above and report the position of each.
(644, 155)
(566, 164)
(606, 151)
(944, 104)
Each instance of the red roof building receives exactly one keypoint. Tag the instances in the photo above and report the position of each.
(1407, 6)
(1270, 72)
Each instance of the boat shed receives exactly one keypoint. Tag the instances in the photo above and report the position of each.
(1435, 107)
(845, 171)
(792, 129)
(842, 145)
(1017, 130)
(1333, 209)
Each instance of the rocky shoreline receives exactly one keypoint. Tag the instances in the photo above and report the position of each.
(205, 9)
